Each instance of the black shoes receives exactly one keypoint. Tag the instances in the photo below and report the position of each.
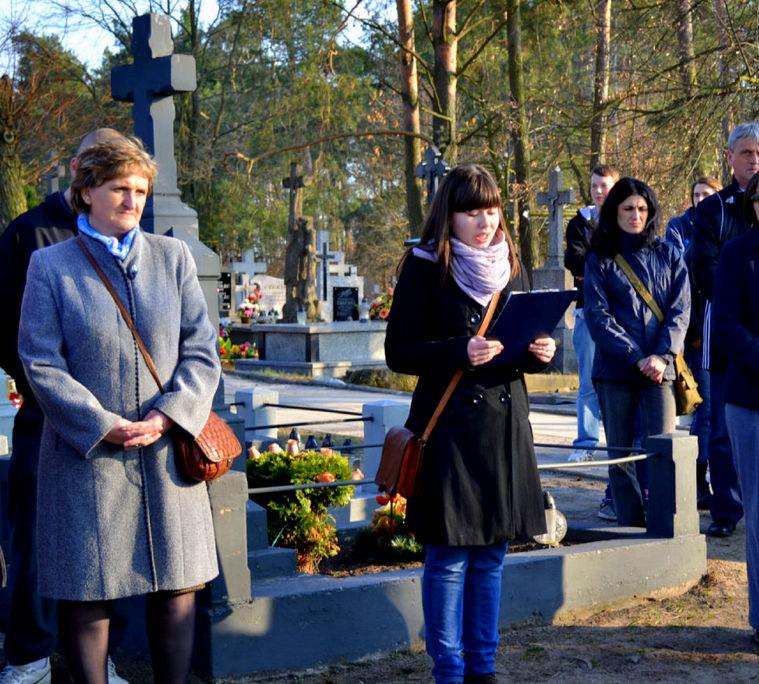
(720, 530)
(481, 679)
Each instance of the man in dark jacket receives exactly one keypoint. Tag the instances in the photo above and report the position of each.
(579, 230)
(718, 220)
(31, 634)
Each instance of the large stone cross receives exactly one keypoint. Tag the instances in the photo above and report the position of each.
(295, 183)
(150, 83)
(556, 199)
(432, 169)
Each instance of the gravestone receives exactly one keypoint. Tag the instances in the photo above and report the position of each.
(334, 273)
(300, 254)
(553, 275)
(345, 303)
(225, 293)
(432, 168)
(53, 176)
(150, 84)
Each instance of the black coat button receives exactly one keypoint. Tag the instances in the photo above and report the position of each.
(474, 318)
(504, 397)
(477, 399)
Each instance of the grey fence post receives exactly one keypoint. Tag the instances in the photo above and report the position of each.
(672, 486)
(254, 413)
(384, 414)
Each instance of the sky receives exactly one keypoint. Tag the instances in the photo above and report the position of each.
(85, 40)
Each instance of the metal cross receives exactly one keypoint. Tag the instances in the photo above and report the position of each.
(432, 169)
(556, 199)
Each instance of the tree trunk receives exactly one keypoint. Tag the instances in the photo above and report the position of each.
(520, 188)
(720, 19)
(12, 197)
(410, 96)
(445, 42)
(685, 46)
(601, 82)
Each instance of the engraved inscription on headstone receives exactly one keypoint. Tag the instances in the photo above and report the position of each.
(225, 293)
(345, 304)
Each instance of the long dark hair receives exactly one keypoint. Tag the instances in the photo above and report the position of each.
(748, 206)
(464, 188)
(608, 236)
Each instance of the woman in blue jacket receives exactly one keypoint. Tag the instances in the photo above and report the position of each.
(634, 362)
(736, 322)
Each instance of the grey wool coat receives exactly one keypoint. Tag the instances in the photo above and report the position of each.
(114, 523)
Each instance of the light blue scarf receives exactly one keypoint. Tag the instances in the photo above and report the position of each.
(119, 248)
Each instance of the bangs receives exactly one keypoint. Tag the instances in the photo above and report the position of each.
(478, 191)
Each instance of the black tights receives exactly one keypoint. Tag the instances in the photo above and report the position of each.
(171, 626)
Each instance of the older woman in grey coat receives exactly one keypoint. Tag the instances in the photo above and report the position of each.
(116, 518)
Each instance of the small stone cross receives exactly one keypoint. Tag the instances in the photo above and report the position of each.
(432, 169)
(150, 83)
(556, 199)
(53, 177)
(295, 183)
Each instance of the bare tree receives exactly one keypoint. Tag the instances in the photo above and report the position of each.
(445, 43)
(601, 82)
(12, 198)
(684, 11)
(411, 121)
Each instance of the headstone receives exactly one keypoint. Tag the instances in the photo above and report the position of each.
(553, 275)
(333, 273)
(53, 176)
(225, 293)
(300, 254)
(433, 168)
(150, 83)
(345, 303)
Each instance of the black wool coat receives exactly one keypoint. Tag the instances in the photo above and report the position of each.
(480, 483)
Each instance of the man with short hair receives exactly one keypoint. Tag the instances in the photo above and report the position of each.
(579, 232)
(718, 220)
(31, 633)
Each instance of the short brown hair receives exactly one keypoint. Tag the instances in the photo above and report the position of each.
(105, 161)
(602, 170)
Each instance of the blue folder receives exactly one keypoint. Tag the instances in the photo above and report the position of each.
(526, 316)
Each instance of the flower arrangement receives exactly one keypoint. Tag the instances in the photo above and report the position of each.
(229, 351)
(250, 306)
(379, 309)
(301, 519)
(388, 529)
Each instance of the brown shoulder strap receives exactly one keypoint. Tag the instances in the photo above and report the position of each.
(457, 375)
(124, 313)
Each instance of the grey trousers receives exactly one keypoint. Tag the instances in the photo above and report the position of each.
(743, 429)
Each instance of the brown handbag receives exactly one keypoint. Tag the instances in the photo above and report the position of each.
(201, 458)
(687, 397)
(403, 450)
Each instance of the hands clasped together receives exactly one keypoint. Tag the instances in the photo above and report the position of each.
(652, 367)
(482, 350)
(140, 433)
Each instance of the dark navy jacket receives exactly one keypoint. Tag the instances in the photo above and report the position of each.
(735, 317)
(622, 325)
(719, 219)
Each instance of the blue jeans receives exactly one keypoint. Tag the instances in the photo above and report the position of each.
(461, 596)
(588, 410)
(32, 623)
(726, 506)
(701, 425)
(620, 402)
(743, 428)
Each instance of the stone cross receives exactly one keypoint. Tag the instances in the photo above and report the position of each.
(295, 183)
(556, 199)
(54, 175)
(432, 169)
(150, 84)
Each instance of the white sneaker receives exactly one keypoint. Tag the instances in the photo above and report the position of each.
(580, 456)
(32, 673)
(113, 676)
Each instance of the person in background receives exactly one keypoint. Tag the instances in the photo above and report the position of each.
(479, 484)
(718, 220)
(580, 230)
(736, 319)
(117, 517)
(633, 370)
(680, 234)
(32, 626)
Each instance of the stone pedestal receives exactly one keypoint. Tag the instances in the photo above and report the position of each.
(384, 414)
(254, 413)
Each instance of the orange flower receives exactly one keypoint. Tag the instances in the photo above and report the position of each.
(384, 313)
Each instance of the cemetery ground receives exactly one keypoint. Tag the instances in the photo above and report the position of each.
(696, 634)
